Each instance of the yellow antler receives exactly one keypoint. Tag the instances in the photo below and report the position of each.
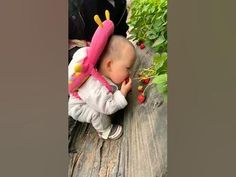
(107, 14)
(98, 21)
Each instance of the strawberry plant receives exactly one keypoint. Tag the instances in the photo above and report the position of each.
(148, 26)
(157, 72)
(148, 23)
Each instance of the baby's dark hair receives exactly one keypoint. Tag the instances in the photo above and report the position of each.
(115, 48)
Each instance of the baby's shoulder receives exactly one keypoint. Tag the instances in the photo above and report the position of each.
(91, 83)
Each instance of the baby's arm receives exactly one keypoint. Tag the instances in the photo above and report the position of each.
(101, 100)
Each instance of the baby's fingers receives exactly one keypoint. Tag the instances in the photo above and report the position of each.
(128, 81)
(123, 83)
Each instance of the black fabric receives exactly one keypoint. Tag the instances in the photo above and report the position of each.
(81, 22)
(71, 53)
(81, 18)
(76, 22)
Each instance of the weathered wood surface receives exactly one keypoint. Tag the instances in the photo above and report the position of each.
(142, 150)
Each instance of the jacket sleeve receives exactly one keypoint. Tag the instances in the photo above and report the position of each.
(101, 100)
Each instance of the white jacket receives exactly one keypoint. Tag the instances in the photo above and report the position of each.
(97, 97)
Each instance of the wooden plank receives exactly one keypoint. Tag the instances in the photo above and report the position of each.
(141, 151)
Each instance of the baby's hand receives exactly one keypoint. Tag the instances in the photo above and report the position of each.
(126, 86)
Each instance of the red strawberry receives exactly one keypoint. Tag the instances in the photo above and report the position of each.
(142, 46)
(141, 99)
(146, 80)
(127, 80)
(139, 42)
(140, 88)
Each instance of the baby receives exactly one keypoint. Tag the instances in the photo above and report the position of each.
(97, 102)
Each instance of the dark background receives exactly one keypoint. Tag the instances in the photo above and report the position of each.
(33, 99)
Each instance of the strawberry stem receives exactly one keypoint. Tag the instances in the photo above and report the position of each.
(147, 87)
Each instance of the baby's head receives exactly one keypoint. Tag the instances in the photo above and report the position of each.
(117, 59)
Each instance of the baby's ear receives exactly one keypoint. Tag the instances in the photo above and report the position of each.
(108, 64)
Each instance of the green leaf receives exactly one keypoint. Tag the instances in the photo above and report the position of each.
(160, 79)
(160, 58)
(157, 23)
(159, 41)
(164, 54)
(157, 55)
(151, 35)
(162, 88)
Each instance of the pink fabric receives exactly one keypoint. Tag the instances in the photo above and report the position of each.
(78, 81)
(99, 41)
(75, 94)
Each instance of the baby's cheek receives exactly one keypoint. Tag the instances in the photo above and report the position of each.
(125, 72)
(120, 78)
(127, 75)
